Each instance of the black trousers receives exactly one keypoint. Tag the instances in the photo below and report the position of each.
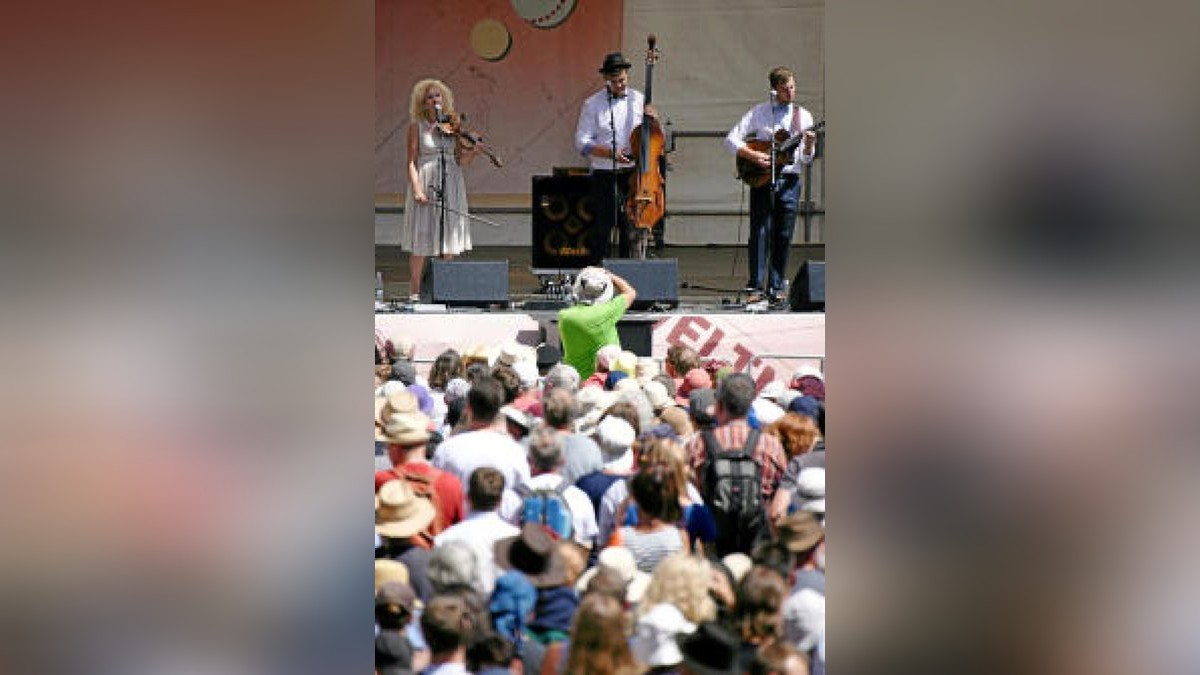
(772, 221)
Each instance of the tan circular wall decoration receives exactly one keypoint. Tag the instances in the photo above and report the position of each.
(544, 13)
(490, 39)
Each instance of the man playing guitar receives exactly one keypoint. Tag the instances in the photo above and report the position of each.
(773, 203)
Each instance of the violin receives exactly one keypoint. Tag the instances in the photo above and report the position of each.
(647, 200)
(466, 139)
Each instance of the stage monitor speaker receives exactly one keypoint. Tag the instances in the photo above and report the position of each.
(808, 290)
(466, 283)
(564, 230)
(656, 281)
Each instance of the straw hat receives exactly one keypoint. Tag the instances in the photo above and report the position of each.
(395, 401)
(678, 419)
(800, 531)
(401, 513)
(620, 560)
(478, 352)
(409, 428)
(389, 570)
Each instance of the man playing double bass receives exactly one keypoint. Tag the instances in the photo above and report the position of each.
(773, 207)
(617, 106)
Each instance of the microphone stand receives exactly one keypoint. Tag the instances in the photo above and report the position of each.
(614, 234)
(441, 193)
(472, 216)
(766, 282)
(808, 206)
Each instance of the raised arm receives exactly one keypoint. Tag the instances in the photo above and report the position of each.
(624, 288)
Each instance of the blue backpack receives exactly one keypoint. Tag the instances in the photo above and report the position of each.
(547, 507)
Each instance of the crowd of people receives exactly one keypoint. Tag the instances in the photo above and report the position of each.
(647, 518)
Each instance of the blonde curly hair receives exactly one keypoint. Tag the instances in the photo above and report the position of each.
(682, 580)
(416, 106)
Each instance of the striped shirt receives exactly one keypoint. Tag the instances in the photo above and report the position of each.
(649, 548)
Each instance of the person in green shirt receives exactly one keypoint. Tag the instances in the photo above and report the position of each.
(592, 322)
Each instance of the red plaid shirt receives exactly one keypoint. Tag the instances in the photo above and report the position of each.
(767, 452)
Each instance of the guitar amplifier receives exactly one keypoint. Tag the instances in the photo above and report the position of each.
(564, 230)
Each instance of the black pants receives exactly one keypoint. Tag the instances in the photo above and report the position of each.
(602, 213)
(772, 221)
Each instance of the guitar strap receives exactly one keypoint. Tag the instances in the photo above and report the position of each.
(795, 119)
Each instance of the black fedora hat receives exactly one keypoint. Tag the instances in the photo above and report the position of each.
(710, 650)
(614, 62)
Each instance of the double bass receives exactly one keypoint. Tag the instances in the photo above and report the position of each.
(647, 201)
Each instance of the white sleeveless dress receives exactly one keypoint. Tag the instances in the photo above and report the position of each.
(421, 221)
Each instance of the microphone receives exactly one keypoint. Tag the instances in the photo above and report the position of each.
(439, 116)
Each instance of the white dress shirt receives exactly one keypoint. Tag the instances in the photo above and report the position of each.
(763, 120)
(595, 125)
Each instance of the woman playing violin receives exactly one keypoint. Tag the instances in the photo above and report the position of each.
(435, 179)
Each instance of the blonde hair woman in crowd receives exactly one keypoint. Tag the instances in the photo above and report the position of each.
(682, 580)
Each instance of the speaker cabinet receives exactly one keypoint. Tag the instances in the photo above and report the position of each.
(466, 283)
(656, 280)
(563, 227)
(808, 290)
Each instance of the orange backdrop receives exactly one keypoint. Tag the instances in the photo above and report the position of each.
(526, 104)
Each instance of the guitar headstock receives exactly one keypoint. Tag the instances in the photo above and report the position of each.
(651, 49)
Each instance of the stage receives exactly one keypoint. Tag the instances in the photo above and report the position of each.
(710, 317)
(709, 276)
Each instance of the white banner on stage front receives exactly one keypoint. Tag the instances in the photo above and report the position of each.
(768, 346)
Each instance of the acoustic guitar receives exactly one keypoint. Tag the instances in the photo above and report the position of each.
(750, 173)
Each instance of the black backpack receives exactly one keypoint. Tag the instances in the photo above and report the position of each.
(733, 488)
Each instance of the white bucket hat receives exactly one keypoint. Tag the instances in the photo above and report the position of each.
(592, 286)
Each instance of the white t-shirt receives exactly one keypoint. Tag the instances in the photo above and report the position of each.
(583, 516)
(462, 454)
(480, 531)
